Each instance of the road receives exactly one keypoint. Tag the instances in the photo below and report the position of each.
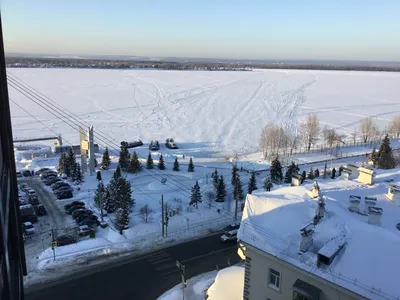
(145, 277)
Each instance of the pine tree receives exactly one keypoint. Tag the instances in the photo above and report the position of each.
(386, 159)
(99, 195)
(234, 173)
(291, 170)
(98, 176)
(108, 203)
(268, 184)
(135, 166)
(61, 163)
(149, 162)
(70, 162)
(105, 160)
(316, 173)
(122, 219)
(196, 196)
(117, 172)
(215, 180)
(221, 190)
(77, 173)
(161, 164)
(176, 165)
(124, 156)
(303, 176)
(276, 170)
(311, 174)
(191, 165)
(238, 189)
(374, 157)
(333, 173)
(252, 183)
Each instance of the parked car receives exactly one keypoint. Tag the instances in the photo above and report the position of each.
(40, 171)
(47, 174)
(229, 236)
(170, 143)
(59, 184)
(63, 240)
(231, 227)
(19, 174)
(74, 203)
(28, 228)
(52, 180)
(134, 144)
(85, 230)
(33, 199)
(40, 210)
(31, 192)
(70, 210)
(48, 178)
(62, 189)
(27, 173)
(86, 216)
(81, 211)
(27, 213)
(64, 195)
(89, 222)
(154, 145)
(24, 187)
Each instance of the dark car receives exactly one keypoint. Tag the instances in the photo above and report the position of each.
(40, 210)
(134, 144)
(89, 222)
(84, 217)
(80, 212)
(62, 190)
(47, 174)
(64, 195)
(40, 171)
(154, 145)
(59, 184)
(33, 199)
(52, 180)
(73, 208)
(63, 240)
(74, 203)
(27, 173)
(231, 227)
(170, 144)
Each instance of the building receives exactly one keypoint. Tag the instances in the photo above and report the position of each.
(366, 176)
(12, 254)
(344, 256)
(296, 179)
(393, 193)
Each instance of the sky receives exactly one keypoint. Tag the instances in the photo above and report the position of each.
(280, 29)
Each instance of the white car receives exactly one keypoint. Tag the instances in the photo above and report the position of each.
(85, 230)
(31, 192)
(29, 228)
(229, 236)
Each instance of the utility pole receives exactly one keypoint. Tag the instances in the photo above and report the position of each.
(236, 195)
(183, 278)
(162, 214)
(52, 244)
(166, 220)
(101, 203)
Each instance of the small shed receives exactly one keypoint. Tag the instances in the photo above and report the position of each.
(374, 215)
(354, 171)
(354, 203)
(306, 237)
(394, 193)
(346, 174)
(330, 250)
(296, 179)
(369, 202)
(366, 176)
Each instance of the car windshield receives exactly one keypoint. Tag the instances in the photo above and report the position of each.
(29, 226)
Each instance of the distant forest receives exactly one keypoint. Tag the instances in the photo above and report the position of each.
(25, 62)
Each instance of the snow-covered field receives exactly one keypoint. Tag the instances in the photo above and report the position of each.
(203, 111)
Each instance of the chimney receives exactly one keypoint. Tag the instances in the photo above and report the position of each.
(306, 237)
(354, 203)
(369, 202)
(374, 215)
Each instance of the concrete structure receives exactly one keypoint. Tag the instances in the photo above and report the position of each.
(87, 150)
(354, 171)
(354, 203)
(394, 193)
(269, 277)
(366, 176)
(374, 215)
(346, 174)
(296, 180)
(369, 202)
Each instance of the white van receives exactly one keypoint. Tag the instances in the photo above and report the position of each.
(229, 236)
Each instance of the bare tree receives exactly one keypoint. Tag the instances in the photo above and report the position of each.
(310, 130)
(210, 197)
(145, 212)
(273, 139)
(330, 136)
(354, 135)
(368, 129)
(394, 127)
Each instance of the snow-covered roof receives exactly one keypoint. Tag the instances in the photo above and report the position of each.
(369, 262)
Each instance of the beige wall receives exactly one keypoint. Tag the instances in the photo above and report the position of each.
(259, 272)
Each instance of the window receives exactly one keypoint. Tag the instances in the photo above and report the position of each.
(274, 279)
(298, 296)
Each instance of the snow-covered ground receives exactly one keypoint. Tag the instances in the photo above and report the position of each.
(226, 284)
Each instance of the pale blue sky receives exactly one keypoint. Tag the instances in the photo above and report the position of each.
(280, 29)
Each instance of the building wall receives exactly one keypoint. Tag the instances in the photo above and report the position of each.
(257, 274)
(365, 178)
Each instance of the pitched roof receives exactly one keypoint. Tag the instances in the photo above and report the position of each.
(368, 264)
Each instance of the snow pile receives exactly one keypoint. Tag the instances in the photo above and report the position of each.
(228, 285)
(272, 222)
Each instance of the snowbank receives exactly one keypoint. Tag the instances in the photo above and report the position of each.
(228, 285)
